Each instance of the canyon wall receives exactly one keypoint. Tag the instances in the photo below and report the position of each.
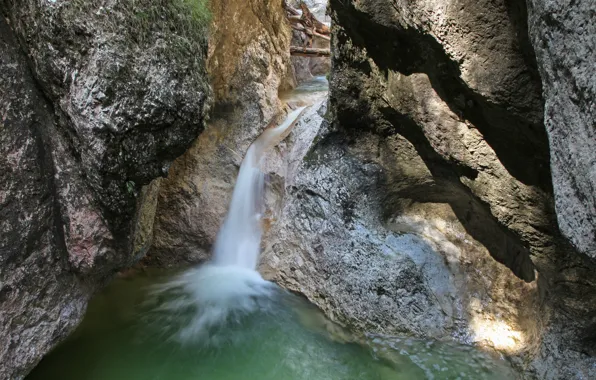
(425, 198)
(249, 58)
(425, 204)
(96, 100)
(562, 34)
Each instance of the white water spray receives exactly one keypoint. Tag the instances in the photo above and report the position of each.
(239, 239)
(229, 287)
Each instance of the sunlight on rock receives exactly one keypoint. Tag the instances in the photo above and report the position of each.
(497, 334)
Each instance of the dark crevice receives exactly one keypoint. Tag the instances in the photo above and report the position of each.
(521, 144)
(517, 11)
(473, 213)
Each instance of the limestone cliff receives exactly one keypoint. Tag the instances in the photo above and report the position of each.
(563, 37)
(425, 198)
(96, 100)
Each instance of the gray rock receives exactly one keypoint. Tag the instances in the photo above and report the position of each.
(96, 108)
(426, 207)
(564, 38)
(418, 273)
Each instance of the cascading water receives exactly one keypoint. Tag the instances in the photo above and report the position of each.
(239, 239)
(223, 321)
(228, 288)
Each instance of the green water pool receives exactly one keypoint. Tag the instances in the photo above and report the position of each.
(288, 339)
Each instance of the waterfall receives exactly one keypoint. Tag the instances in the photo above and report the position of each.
(239, 239)
(202, 300)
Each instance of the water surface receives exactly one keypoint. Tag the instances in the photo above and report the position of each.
(124, 337)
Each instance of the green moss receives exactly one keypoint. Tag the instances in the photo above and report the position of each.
(199, 11)
(183, 24)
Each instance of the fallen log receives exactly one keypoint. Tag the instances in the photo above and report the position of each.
(306, 22)
(291, 10)
(309, 20)
(309, 52)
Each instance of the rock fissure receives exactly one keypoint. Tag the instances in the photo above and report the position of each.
(410, 51)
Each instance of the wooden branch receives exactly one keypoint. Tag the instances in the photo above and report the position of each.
(310, 20)
(309, 52)
(308, 32)
(317, 34)
(300, 28)
(324, 30)
(307, 20)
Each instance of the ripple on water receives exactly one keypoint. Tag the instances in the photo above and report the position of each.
(146, 328)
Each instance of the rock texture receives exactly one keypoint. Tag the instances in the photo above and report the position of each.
(248, 65)
(426, 206)
(94, 104)
(563, 35)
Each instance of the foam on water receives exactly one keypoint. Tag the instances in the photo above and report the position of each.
(193, 307)
(197, 303)
(239, 239)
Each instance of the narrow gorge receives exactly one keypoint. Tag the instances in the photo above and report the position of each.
(286, 189)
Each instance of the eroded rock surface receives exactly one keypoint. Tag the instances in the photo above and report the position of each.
(563, 35)
(426, 207)
(94, 105)
(418, 273)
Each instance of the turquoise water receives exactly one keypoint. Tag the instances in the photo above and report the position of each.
(125, 336)
(309, 91)
(316, 84)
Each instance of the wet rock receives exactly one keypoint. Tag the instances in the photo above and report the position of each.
(94, 104)
(416, 273)
(248, 65)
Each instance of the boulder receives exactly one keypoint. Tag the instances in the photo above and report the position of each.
(95, 103)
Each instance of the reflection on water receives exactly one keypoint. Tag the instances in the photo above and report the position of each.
(316, 84)
(123, 337)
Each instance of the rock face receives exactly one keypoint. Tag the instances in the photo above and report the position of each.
(563, 35)
(95, 102)
(248, 65)
(426, 206)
